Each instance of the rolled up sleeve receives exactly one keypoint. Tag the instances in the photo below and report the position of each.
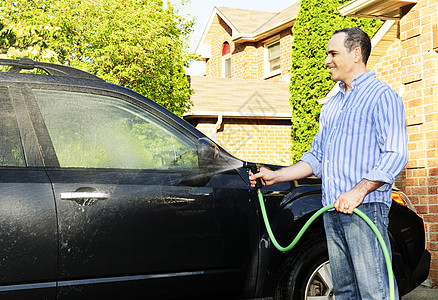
(314, 156)
(390, 121)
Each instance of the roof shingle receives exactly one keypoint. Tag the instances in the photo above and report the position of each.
(244, 20)
(246, 98)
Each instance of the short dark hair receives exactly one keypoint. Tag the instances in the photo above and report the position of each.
(356, 37)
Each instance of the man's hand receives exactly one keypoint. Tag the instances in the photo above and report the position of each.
(297, 171)
(267, 177)
(351, 199)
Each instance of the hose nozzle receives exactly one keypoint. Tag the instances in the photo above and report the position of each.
(255, 168)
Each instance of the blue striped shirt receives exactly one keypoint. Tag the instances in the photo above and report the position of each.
(362, 135)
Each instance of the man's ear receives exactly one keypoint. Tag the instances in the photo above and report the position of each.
(357, 54)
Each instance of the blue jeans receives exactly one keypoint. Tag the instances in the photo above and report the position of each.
(356, 259)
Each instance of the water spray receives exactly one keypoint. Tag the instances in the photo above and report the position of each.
(255, 168)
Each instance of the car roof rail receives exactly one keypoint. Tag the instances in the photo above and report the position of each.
(51, 69)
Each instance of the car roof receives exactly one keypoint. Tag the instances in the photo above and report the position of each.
(51, 69)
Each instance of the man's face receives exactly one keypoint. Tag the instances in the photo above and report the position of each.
(339, 60)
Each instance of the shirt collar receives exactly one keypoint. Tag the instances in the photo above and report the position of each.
(358, 81)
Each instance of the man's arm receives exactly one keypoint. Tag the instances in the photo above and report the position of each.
(297, 171)
(351, 199)
(390, 121)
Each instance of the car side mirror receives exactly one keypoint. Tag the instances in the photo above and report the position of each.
(208, 153)
(212, 158)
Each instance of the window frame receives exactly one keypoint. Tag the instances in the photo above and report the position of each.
(11, 103)
(20, 95)
(226, 66)
(226, 61)
(267, 62)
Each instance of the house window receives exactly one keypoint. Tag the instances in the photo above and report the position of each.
(272, 57)
(226, 60)
(227, 67)
(226, 49)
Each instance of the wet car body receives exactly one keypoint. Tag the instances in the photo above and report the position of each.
(87, 213)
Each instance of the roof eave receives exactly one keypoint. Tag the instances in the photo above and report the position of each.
(203, 49)
(268, 32)
(377, 9)
(235, 115)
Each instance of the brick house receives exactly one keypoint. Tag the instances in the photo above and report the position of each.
(243, 101)
(250, 118)
(240, 43)
(410, 66)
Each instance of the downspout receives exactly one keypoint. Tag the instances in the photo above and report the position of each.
(216, 127)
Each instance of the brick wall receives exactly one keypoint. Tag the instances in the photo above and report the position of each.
(286, 39)
(244, 61)
(264, 141)
(221, 35)
(410, 66)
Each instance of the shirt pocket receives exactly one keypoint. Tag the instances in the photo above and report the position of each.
(354, 122)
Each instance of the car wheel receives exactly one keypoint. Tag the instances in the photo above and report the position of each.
(305, 273)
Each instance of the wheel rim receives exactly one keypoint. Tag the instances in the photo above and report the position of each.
(320, 284)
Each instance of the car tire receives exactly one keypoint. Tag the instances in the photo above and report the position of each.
(305, 273)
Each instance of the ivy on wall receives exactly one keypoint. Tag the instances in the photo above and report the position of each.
(310, 80)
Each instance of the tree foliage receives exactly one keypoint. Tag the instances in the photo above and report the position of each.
(134, 43)
(310, 80)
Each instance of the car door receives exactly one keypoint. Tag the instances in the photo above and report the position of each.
(136, 218)
(28, 229)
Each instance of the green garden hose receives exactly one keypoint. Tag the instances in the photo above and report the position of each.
(316, 215)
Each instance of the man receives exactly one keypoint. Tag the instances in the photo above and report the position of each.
(360, 148)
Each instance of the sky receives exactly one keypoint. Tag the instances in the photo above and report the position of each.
(201, 10)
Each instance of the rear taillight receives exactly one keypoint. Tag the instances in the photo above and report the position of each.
(400, 198)
(397, 198)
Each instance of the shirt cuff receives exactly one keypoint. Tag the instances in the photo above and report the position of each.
(313, 162)
(376, 175)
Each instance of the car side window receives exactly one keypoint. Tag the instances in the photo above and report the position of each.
(11, 152)
(96, 131)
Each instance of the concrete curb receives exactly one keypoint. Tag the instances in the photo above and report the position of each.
(422, 293)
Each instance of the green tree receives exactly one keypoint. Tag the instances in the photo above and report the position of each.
(134, 43)
(310, 80)
(18, 40)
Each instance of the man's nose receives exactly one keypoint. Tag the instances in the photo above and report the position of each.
(327, 60)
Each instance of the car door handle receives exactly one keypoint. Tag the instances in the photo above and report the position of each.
(84, 195)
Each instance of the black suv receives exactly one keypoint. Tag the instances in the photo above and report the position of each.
(104, 194)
